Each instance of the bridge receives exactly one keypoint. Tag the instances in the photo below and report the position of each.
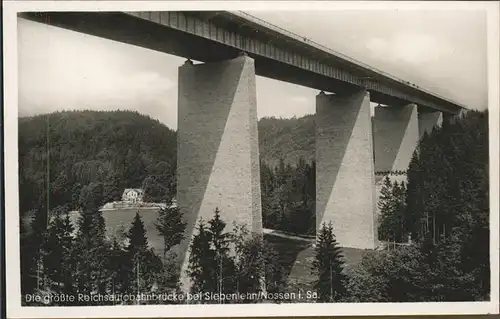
(218, 156)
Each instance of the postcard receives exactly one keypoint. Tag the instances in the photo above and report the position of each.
(203, 159)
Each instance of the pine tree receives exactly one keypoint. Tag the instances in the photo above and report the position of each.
(146, 265)
(146, 272)
(249, 260)
(211, 267)
(447, 200)
(365, 284)
(392, 206)
(171, 226)
(399, 194)
(328, 265)
(451, 281)
(168, 279)
(201, 257)
(58, 259)
(90, 251)
(223, 263)
(288, 197)
(257, 264)
(33, 236)
(119, 263)
(386, 207)
(138, 241)
(415, 223)
(274, 272)
(136, 249)
(407, 279)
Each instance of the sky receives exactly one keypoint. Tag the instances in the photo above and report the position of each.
(443, 51)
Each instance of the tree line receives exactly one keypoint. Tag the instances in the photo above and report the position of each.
(289, 197)
(69, 259)
(443, 207)
(59, 257)
(65, 155)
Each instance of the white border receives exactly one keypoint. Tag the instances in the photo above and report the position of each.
(14, 309)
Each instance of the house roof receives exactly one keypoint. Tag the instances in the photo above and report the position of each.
(138, 190)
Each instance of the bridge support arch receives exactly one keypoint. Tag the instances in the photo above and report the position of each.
(396, 135)
(218, 154)
(345, 193)
(427, 121)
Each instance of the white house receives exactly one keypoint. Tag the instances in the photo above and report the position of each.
(174, 202)
(133, 195)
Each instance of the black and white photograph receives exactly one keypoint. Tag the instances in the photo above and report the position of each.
(187, 159)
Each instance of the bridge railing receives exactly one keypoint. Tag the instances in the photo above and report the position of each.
(335, 53)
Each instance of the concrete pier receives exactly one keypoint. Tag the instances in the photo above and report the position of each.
(218, 154)
(396, 135)
(345, 187)
(427, 121)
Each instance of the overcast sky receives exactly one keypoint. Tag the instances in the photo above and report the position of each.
(443, 51)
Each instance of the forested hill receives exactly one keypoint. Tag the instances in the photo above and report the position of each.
(87, 158)
(287, 139)
(106, 151)
(92, 152)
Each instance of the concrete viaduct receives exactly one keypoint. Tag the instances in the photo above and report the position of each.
(218, 155)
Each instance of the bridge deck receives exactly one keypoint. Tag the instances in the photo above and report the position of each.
(216, 35)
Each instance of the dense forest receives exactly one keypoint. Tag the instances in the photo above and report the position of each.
(287, 140)
(443, 208)
(107, 151)
(83, 152)
(289, 197)
(79, 160)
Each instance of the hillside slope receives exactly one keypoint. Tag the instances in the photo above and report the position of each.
(102, 152)
(287, 139)
(110, 151)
